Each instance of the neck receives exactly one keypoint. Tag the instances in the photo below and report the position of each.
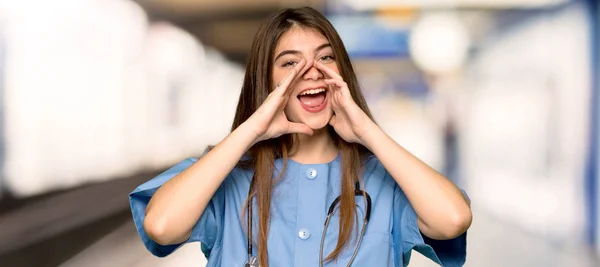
(316, 148)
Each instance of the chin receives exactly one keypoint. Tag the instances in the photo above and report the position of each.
(317, 126)
(314, 120)
(318, 122)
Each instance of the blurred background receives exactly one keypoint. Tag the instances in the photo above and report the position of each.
(98, 96)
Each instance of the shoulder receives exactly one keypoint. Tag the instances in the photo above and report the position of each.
(373, 168)
(238, 172)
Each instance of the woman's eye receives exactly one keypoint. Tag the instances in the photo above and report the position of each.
(288, 64)
(326, 58)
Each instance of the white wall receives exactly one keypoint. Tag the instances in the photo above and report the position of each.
(525, 130)
(94, 92)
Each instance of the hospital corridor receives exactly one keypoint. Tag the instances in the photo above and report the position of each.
(502, 97)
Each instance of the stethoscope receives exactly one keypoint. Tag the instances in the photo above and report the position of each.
(253, 261)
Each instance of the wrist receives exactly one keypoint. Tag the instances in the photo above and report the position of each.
(370, 135)
(246, 133)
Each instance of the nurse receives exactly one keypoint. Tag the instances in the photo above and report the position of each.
(305, 171)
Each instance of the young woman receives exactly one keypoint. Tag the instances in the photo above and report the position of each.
(305, 171)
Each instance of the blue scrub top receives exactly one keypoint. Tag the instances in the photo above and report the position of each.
(300, 202)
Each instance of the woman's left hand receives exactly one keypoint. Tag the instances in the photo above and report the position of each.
(349, 120)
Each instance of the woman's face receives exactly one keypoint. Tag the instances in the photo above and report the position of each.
(309, 99)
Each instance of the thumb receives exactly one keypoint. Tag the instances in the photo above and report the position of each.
(332, 121)
(299, 128)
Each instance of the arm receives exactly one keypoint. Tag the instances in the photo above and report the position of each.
(443, 212)
(178, 204)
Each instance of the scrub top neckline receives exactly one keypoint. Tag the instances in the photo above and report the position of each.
(291, 161)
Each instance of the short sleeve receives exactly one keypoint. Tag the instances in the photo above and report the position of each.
(206, 229)
(447, 253)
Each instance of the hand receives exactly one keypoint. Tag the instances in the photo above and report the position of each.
(269, 120)
(349, 121)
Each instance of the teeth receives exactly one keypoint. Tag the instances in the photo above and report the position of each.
(313, 91)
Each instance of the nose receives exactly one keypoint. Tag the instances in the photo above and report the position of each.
(312, 74)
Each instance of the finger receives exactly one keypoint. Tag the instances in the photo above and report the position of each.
(285, 83)
(337, 82)
(308, 63)
(328, 71)
(299, 128)
(332, 121)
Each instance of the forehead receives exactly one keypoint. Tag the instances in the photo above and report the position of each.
(299, 38)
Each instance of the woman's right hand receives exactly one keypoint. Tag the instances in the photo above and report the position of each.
(269, 120)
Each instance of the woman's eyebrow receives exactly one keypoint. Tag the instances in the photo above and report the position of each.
(287, 52)
(321, 47)
(296, 52)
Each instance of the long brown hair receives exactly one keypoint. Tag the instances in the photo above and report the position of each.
(261, 157)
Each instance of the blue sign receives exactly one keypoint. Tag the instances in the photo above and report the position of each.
(367, 37)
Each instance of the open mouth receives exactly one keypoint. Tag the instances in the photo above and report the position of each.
(313, 99)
